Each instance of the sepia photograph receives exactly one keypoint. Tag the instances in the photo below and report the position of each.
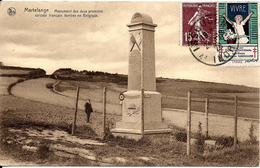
(129, 83)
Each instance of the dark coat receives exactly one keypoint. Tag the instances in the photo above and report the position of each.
(88, 108)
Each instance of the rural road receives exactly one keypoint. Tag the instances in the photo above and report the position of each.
(36, 90)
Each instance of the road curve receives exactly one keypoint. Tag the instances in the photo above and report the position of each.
(35, 89)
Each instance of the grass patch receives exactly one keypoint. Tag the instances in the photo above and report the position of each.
(245, 155)
(163, 152)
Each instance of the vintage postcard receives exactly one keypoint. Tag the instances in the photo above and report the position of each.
(129, 83)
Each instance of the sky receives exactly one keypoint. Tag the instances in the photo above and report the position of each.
(102, 43)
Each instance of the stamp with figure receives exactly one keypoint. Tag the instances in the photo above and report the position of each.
(238, 26)
(198, 24)
(223, 34)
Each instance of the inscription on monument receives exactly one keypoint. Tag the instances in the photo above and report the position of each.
(134, 76)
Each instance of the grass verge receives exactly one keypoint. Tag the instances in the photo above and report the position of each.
(20, 113)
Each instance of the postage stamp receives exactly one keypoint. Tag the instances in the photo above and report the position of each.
(229, 29)
(198, 24)
(238, 26)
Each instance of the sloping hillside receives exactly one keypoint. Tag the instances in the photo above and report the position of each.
(11, 71)
(174, 91)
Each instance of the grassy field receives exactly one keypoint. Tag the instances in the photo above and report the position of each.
(20, 113)
(174, 95)
(221, 97)
(11, 72)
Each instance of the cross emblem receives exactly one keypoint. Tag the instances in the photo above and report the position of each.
(135, 39)
(220, 55)
(254, 51)
(221, 51)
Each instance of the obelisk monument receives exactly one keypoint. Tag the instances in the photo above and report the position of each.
(141, 76)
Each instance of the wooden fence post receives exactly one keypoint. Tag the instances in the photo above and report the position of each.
(76, 110)
(104, 110)
(142, 113)
(189, 123)
(207, 117)
(235, 124)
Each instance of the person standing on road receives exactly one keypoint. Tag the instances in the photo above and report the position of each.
(88, 109)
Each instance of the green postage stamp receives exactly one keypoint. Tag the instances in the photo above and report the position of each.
(238, 25)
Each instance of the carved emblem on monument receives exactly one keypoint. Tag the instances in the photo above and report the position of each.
(135, 40)
(131, 109)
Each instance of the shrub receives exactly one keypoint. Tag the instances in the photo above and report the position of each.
(253, 139)
(43, 150)
(225, 141)
(108, 135)
(181, 136)
(20, 80)
(200, 140)
(49, 85)
(144, 142)
(37, 72)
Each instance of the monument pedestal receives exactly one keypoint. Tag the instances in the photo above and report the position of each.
(130, 126)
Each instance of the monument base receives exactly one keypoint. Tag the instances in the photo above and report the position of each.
(153, 135)
(130, 126)
(152, 130)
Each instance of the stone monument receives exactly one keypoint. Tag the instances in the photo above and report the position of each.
(141, 75)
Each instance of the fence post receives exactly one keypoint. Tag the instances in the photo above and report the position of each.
(235, 124)
(75, 116)
(104, 110)
(189, 123)
(142, 113)
(207, 117)
(142, 93)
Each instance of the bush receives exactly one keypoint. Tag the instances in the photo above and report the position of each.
(180, 136)
(20, 80)
(49, 85)
(253, 139)
(43, 150)
(108, 135)
(37, 72)
(225, 141)
(200, 140)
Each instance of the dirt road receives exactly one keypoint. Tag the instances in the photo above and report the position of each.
(35, 89)
(218, 125)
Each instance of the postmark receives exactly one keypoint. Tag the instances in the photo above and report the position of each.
(11, 11)
(206, 52)
(199, 33)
